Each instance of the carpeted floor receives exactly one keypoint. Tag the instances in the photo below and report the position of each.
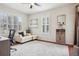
(38, 48)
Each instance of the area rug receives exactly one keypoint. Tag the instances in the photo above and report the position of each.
(38, 48)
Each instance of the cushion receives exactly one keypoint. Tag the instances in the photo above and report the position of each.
(24, 33)
(21, 33)
(28, 31)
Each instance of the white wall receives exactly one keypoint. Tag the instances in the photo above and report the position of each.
(69, 11)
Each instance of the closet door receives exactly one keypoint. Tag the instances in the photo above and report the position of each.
(78, 30)
(76, 40)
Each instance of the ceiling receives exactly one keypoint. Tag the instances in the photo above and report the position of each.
(24, 7)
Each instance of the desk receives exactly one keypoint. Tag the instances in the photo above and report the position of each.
(4, 46)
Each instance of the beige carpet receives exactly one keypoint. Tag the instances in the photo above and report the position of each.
(38, 48)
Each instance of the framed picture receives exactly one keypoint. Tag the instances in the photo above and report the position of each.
(61, 19)
(34, 22)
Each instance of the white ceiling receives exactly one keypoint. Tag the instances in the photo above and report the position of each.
(25, 7)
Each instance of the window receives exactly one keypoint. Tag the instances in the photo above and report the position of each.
(45, 25)
(3, 21)
(17, 23)
(8, 22)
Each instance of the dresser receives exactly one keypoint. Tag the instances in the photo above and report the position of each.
(4, 46)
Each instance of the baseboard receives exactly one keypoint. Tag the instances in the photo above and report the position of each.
(47, 41)
(55, 43)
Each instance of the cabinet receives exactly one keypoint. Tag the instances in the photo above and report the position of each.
(60, 36)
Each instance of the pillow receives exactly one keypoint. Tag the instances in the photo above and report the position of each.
(24, 33)
(21, 33)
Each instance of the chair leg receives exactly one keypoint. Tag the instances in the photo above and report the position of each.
(14, 49)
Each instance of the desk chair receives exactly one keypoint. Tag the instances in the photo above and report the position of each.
(11, 37)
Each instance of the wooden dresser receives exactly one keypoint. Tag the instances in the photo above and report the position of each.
(4, 46)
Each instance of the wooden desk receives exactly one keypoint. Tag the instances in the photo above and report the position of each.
(4, 46)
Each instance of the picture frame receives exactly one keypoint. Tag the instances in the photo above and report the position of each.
(34, 22)
(61, 19)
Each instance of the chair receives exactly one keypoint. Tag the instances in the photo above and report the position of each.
(11, 37)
